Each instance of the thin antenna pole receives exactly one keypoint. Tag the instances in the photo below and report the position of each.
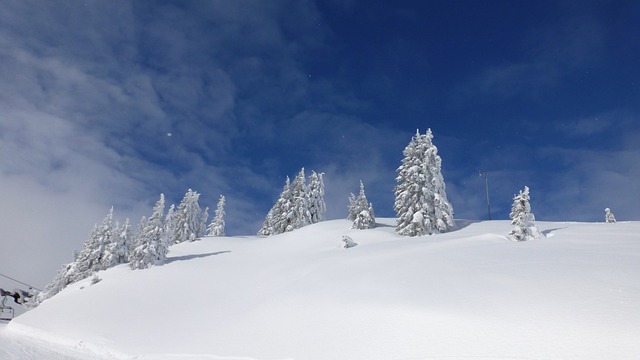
(486, 184)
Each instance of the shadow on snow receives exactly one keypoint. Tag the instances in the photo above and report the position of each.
(197, 256)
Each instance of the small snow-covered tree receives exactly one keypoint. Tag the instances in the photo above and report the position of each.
(608, 215)
(421, 202)
(361, 211)
(216, 228)
(315, 197)
(348, 242)
(523, 219)
(186, 219)
(151, 244)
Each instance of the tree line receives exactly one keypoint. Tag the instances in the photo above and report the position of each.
(110, 243)
(420, 204)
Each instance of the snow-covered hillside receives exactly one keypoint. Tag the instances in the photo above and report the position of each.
(470, 293)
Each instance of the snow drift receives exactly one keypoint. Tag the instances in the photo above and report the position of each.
(470, 293)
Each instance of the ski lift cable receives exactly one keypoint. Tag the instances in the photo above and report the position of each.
(20, 282)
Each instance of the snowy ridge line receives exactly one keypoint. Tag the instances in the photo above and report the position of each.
(76, 348)
(196, 357)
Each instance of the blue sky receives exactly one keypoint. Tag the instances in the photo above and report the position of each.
(110, 103)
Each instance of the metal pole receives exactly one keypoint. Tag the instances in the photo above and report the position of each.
(486, 184)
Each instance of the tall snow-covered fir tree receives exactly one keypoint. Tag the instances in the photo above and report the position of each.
(421, 201)
(361, 211)
(300, 211)
(93, 256)
(168, 225)
(150, 245)
(186, 219)
(523, 219)
(278, 218)
(315, 198)
(216, 228)
(202, 228)
(117, 252)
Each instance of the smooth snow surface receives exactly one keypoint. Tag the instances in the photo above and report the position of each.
(467, 294)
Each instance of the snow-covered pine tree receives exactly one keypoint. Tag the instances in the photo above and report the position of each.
(361, 211)
(94, 254)
(608, 216)
(216, 228)
(523, 219)
(421, 201)
(137, 239)
(117, 251)
(202, 229)
(277, 219)
(186, 219)
(300, 215)
(315, 197)
(353, 203)
(168, 225)
(151, 245)
(125, 242)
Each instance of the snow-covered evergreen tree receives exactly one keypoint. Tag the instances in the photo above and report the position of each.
(523, 219)
(117, 251)
(300, 215)
(186, 219)
(94, 255)
(352, 209)
(202, 229)
(315, 197)
(361, 211)
(151, 244)
(348, 242)
(168, 225)
(421, 202)
(278, 219)
(216, 228)
(125, 242)
(608, 216)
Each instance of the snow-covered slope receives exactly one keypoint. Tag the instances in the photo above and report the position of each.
(471, 293)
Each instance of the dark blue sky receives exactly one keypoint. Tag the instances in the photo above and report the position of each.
(110, 103)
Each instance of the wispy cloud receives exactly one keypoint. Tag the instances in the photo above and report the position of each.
(548, 54)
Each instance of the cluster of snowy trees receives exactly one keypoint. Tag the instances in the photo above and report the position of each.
(111, 244)
(299, 204)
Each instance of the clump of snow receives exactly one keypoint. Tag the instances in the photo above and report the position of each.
(469, 293)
